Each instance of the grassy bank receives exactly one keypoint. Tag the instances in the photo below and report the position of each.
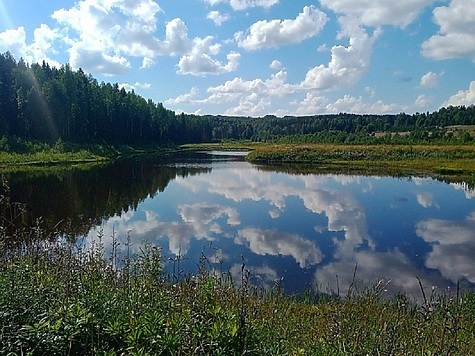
(438, 160)
(58, 300)
(20, 153)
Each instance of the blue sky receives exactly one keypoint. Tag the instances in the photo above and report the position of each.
(259, 57)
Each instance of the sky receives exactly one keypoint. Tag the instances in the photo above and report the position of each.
(259, 57)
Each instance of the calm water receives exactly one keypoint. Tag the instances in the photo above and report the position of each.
(301, 230)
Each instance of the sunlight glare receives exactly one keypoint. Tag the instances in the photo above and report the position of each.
(5, 19)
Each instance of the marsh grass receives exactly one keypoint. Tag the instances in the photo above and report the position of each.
(58, 297)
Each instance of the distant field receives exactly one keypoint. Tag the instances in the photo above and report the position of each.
(458, 129)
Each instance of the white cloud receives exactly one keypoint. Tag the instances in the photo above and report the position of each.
(356, 105)
(245, 4)
(98, 26)
(347, 64)
(200, 63)
(217, 17)
(316, 104)
(109, 31)
(147, 63)
(463, 97)
(275, 65)
(93, 60)
(275, 85)
(456, 37)
(136, 85)
(469, 192)
(176, 39)
(377, 13)
(101, 33)
(254, 95)
(183, 99)
(279, 32)
(14, 41)
(39, 50)
(422, 102)
(429, 80)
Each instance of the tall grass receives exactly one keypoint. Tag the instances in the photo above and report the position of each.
(59, 298)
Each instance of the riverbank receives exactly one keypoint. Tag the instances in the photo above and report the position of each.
(439, 161)
(446, 162)
(56, 298)
(24, 155)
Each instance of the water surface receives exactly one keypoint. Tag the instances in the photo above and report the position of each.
(299, 230)
(310, 230)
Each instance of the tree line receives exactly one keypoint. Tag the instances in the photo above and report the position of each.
(40, 102)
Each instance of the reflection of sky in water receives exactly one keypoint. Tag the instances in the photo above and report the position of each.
(308, 229)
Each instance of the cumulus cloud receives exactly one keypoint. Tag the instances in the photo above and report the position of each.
(184, 98)
(217, 17)
(136, 85)
(422, 101)
(105, 34)
(456, 37)
(314, 103)
(93, 60)
(347, 64)
(463, 97)
(356, 105)
(147, 63)
(279, 32)
(378, 13)
(245, 4)
(275, 64)
(13, 41)
(200, 63)
(263, 276)
(39, 50)
(429, 80)
(469, 192)
(101, 33)
(254, 95)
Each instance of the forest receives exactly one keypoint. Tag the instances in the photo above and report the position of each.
(44, 103)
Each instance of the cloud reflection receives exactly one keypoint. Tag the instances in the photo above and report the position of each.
(371, 267)
(453, 246)
(271, 242)
(425, 199)
(261, 276)
(469, 192)
(205, 214)
(198, 221)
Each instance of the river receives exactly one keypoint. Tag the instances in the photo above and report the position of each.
(292, 230)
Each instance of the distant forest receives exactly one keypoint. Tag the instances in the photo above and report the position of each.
(39, 102)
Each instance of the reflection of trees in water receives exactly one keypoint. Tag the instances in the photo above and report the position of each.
(71, 202)
(464, 180)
